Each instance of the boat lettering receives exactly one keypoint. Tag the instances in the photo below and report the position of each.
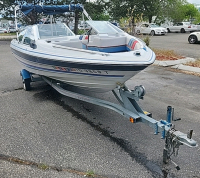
(68, 69)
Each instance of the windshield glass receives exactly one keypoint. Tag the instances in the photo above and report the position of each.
(104, 27)
(154, 25)
(54, 30)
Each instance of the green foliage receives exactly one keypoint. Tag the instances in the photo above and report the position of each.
(43, 166)
(135, 8)
(197, 18)
(90, 174)
(7, 9)
(97, 10)
(80, 32)
(181, 12)
(132, 11)
(147, 40)
(190, 11)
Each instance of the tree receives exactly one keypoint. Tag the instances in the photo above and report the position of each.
(97, 9)
(150, 8)
(7, 9)
(190, 11)
(134, 10)
(178, 10)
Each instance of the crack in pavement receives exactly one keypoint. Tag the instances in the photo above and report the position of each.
(5, 92)
(45, 167)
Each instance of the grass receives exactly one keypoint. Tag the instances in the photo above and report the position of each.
(43, 166)
(7, 34)
(90, 174)
(194, 64)
(166, 55)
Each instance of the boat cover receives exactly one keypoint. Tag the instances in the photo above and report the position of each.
(51, 9)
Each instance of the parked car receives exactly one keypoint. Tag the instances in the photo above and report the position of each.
(182, 27)
(198, 26)
(4, 30)
(84, 26)
(151, 29)
(194, 37)
(12, 29)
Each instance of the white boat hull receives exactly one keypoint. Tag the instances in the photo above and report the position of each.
(94, 80)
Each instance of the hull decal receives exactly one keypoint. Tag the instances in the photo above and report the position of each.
(69, 71)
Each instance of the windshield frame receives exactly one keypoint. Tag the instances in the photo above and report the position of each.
(104, 27)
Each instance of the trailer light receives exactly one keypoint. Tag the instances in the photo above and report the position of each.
(131, 120)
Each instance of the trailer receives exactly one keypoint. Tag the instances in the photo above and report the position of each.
(128, 108)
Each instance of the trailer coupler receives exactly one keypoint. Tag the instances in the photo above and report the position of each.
(173, 140)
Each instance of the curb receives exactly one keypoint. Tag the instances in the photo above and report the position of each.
(174, 62)
(187, 68)
(179, 64)
(7, 38)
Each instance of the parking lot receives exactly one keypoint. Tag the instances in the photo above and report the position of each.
(73, 137)
(177, 42)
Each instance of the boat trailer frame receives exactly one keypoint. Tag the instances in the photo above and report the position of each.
(130, 109)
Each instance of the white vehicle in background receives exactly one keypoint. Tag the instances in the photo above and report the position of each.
(182, 27)
(194, 37)
(151, 29)
(198, 26)
(4, 30)
(12, 29)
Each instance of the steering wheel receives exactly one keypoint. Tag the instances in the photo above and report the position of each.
(89, 33)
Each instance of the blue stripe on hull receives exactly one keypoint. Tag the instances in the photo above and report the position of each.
(68, 72)
(79, 65)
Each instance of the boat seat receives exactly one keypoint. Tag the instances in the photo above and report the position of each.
(105, 43)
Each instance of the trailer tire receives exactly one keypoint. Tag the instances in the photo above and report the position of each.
(27, 84)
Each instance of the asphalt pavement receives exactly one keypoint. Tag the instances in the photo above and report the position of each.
(44, 134)
(177, 42)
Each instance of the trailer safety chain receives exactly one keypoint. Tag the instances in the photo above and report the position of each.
(173, 140)
(171, 148)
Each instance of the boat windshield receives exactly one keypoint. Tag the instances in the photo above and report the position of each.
(104, 27)
(54, 30)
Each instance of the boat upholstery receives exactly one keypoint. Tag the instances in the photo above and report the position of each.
(112, 44)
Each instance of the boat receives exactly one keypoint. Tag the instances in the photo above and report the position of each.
(99, 60)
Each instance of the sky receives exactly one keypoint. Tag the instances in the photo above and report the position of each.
(194, 1)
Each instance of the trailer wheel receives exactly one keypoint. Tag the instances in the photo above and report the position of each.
(27, 84)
